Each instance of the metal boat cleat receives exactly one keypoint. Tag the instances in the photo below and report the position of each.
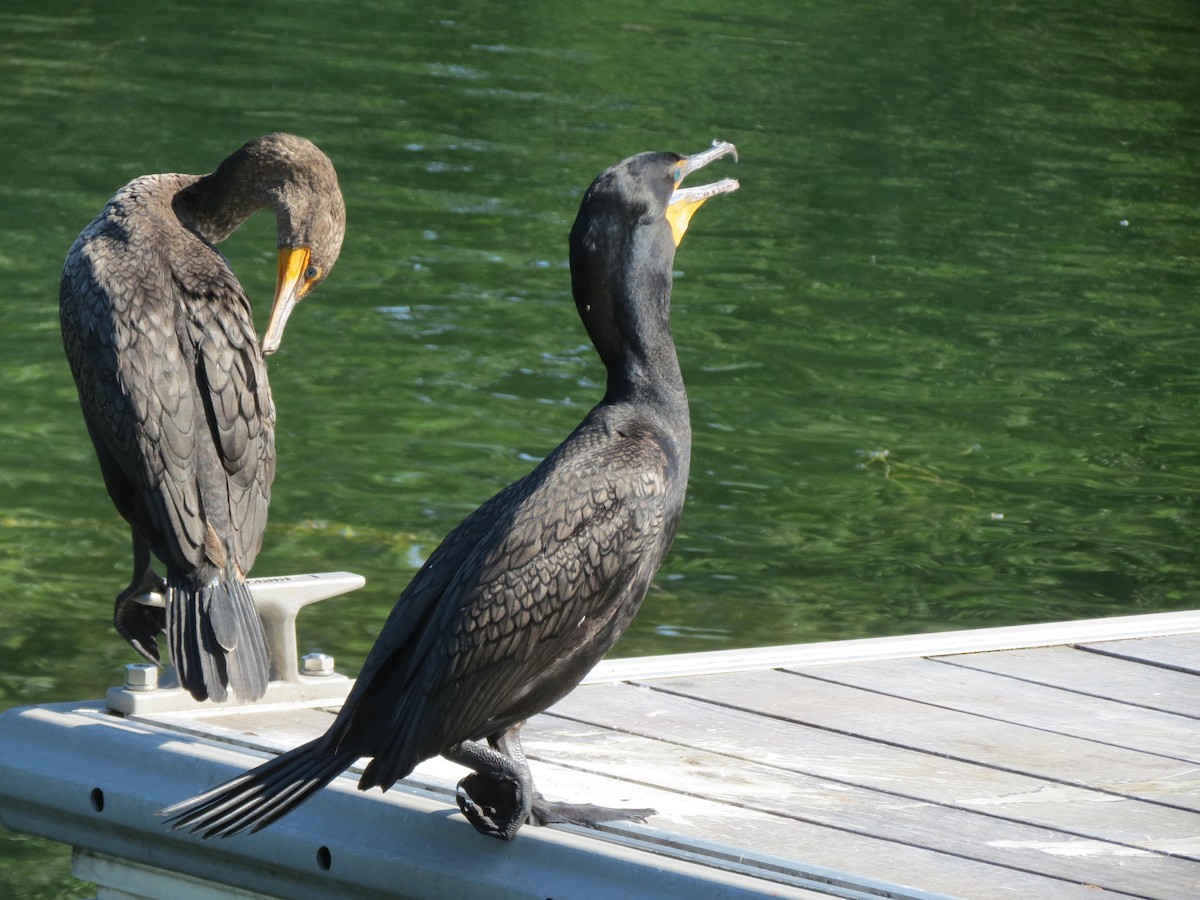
(149, 689)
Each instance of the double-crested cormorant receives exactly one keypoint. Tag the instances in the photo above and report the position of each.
(174, 390)
(534, 587)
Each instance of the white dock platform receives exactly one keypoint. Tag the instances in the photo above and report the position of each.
(1048, 761)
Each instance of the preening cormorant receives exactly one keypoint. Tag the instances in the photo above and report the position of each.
(533, 588)
(161, 341)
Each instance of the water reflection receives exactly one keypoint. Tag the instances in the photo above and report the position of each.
(965, 237)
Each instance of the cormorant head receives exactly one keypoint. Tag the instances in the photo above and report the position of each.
(646, 190)
(631, 220)
(311, 217)
(623, 242)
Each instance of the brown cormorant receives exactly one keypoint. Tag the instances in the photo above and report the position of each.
(533, 588)
(174, 390)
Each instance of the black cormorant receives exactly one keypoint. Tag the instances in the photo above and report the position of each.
(533, 588)
(174, 390)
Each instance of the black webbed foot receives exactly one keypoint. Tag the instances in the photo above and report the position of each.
(543, 812)
(138, 621)
(496, 807)
(499, 797)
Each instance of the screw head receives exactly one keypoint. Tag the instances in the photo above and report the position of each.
(141, 677)
(316, 664)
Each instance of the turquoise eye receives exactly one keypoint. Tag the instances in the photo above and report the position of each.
(678, 174)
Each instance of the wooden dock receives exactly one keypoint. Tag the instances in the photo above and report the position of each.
(1056, 761)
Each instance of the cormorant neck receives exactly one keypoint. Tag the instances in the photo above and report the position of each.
(626, 310)
(645, 367)
(257, 176)
(216, 204)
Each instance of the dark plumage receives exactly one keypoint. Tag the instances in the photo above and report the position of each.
(174, 391)
(536, 585)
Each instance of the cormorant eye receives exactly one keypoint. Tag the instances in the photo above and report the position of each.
(312, 273)
(677, 173)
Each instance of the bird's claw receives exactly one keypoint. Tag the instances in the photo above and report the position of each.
(138, 619)
(493, 806)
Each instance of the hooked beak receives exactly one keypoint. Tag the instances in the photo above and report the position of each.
(290, 286)
(685, 201)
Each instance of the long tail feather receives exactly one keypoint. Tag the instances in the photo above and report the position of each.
(255, 800)
(216, 636)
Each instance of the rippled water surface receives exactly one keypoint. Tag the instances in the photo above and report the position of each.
(941, 347)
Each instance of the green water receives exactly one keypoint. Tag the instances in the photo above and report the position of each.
(941, 347)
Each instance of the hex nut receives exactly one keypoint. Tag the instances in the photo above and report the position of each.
(316, 664)
(141, 677)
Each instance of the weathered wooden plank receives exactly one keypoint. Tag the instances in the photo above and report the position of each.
(906, 774)
(1114, 678)
(1036, 773)
(698, 815)
(776, 794)
(957, 735)
(274, 728)
(1180, 652)
(1023, 703)
(747, 810)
